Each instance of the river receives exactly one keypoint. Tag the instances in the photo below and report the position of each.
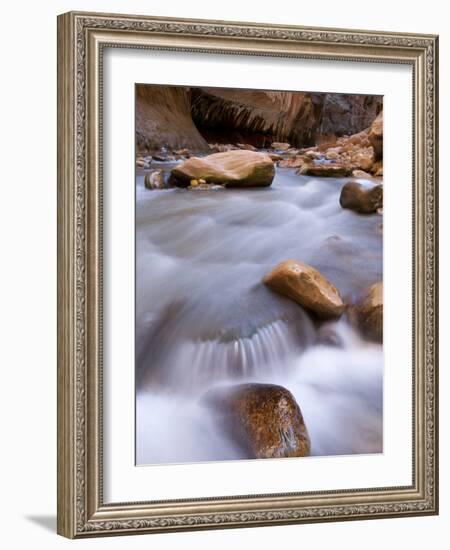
(204, 318)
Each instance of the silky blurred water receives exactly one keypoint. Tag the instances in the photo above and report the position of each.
(204, 318)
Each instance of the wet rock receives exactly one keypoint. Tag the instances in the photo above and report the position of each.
(246, 146)
(154, 180)
(275, 157)
(363, 199)
(280, 146)
(363, 158)
(264, 419)
(222, 147)
(361, 174)
(332, 155)
(331, 169)
(313, 154)
(377, 169)
(305, 285)
(182, 152)
(163, 155)
(296, 161)
(233, 169)
(375, 135)
(368, 313)
(204, 186)
(142, 163)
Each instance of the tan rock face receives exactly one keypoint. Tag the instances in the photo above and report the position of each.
(163, 118)
(369, 313)
(361, 198)
(305, 285)
(375, 135)
(264, 419)
(233, 169)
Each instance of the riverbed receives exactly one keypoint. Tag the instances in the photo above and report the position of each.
(204, 318)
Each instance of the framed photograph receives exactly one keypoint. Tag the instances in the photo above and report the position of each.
(247, 288)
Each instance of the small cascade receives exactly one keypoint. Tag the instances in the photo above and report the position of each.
(204, 318)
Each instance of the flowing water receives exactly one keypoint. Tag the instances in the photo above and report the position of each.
(204, 318)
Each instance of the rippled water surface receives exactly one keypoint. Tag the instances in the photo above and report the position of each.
(204, 318)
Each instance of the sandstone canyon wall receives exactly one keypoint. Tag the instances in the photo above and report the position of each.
(177, 117)
(163, 119)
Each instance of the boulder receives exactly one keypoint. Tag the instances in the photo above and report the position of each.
(361, 174)
(375, 135)
(154, 180)
(377, 169)
(141, 163)
(305, 285)
(246, 146)
(163, 156)
(363, 158)
(363, 199)
(222, 147)
(281, 146)
(368, 313)
(182, 152)
(233, 169)
(263, 419)
(314, 154)
(326, 169)
(332, 155)
(296, 161)
(275, 157)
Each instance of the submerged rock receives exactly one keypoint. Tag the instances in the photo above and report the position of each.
(154, 180)
(306, 286)
(205, 187)
(368, 314)
(361, 198)
(233, 169)
(264, 419)
(327, 335)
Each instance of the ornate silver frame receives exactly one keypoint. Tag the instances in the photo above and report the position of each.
(81, 39)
